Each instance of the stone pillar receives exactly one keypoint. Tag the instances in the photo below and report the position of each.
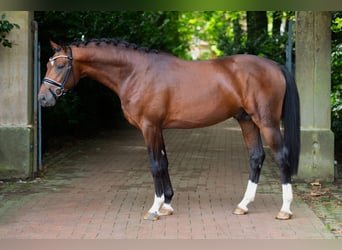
(313, 64)
(16, 99)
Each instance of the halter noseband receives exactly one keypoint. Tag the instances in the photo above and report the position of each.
(60, 86)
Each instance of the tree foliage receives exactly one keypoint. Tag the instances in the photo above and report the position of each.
(229, 32)
(5, 29)
(256, 32)
(336, 77)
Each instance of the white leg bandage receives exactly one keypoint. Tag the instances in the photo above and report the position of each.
(287, 198)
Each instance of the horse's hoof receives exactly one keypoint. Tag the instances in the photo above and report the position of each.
(283, 216)
(165, 212)
(240, 211)
(151, 216)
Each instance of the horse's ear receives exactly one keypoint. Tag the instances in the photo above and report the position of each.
(55, 46)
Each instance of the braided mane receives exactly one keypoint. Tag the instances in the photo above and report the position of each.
(114, 42)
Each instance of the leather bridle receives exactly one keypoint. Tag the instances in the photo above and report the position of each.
(59, 90)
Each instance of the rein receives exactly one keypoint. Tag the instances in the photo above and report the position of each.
(57, 92)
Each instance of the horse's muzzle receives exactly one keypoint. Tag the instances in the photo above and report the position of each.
(46, 99)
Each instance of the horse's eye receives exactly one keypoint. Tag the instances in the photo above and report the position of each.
(60, 65)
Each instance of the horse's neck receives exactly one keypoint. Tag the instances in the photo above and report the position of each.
(110, 66)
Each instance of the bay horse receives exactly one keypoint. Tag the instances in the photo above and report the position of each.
(160, 91)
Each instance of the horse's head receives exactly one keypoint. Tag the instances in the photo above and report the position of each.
(58, 78)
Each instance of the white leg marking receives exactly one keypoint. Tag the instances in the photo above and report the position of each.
(287, 198)
(249, 195)
(158, 202)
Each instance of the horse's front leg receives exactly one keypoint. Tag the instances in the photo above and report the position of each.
(159, 169)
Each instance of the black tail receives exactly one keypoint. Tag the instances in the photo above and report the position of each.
(291, 120)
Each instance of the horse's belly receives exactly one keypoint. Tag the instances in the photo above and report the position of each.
(200, 115)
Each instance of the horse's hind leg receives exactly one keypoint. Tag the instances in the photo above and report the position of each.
(159, 169)
(251, 135)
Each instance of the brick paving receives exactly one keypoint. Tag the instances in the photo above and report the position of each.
(100, 188)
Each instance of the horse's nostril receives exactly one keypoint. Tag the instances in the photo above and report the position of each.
(42, 99)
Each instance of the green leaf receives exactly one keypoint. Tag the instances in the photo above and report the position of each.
(5, 29)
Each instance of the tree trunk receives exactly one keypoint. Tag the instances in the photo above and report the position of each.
(256, 25)
(277, 16)
(256, 30)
